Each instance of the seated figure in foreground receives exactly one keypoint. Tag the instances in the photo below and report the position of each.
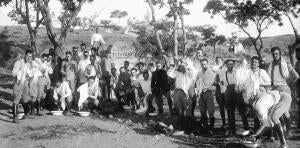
(88, 96)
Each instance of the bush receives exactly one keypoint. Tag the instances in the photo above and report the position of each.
(115, 27)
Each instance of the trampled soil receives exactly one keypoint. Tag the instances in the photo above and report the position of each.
(122, 130)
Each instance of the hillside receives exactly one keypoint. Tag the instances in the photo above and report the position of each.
(16, 39)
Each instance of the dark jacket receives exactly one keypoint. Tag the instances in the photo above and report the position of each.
(159, 82)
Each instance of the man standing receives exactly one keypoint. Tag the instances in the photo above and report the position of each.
(297, 68)
(184, 80)
(81, 69)
(233, 99)
(23, 73)
(106, 65)
(68, 70)
(75, 55)
(205, 81)
(219, 94)
(56, 63)
(279, 70)
(126, 66)
(160, 87)
(82, 50)
(97, 41)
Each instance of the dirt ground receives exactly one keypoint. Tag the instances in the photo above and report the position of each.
(122, 130)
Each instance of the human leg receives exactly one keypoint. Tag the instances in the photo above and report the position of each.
(221, 102)
(230, 106)
(210, 108)
(169, 99)
(203, 110)
(159, 102)
(278, 110)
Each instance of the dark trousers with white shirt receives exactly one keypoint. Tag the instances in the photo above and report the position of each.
(235, 100)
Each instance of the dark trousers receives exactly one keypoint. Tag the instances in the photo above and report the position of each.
(159, 101)
(221, 102)
(194, 103)
(298, 91)
(235, 100)
(106, 88)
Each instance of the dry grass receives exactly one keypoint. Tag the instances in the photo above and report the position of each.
(15, 39)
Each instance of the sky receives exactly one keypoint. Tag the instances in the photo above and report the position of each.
(139, 8)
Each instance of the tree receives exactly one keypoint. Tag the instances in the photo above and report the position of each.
(210, 37)
(181, 12)
(247, 43)
(289, 9)
(118, 14)
(77, 22)
(25, 12)
(176, 10)
(105, 23)
(153, 23)
(242, 14)
(71, 8)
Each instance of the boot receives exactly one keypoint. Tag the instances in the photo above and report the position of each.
(288, 124)
(15, 112)
(31, 106)
(204, 122)
(280, 133)
(26, 108)
(67, 109)
(38, 108)
(260, 131)
(211, 125)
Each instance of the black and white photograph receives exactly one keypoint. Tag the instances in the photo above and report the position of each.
(149, 73)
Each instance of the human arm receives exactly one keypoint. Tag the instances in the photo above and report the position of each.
(266, 80)
(102, 40)
(55, 95)
(95, 94)
(92, 40)
(292, 71)
(16, 70)
(62, 69)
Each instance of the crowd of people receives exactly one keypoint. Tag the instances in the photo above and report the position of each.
(84, 78)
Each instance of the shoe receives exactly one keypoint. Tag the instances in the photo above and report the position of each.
(279, 130)
(288, 124)
(38, 110)
(15, 112)
(230, 134)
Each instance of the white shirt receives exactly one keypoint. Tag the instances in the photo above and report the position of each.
(97, 38)
(264, 104)
(82, 64)
(145, 85)
(183, 81)
(64, 91)
(86, 91)
(21, 69)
